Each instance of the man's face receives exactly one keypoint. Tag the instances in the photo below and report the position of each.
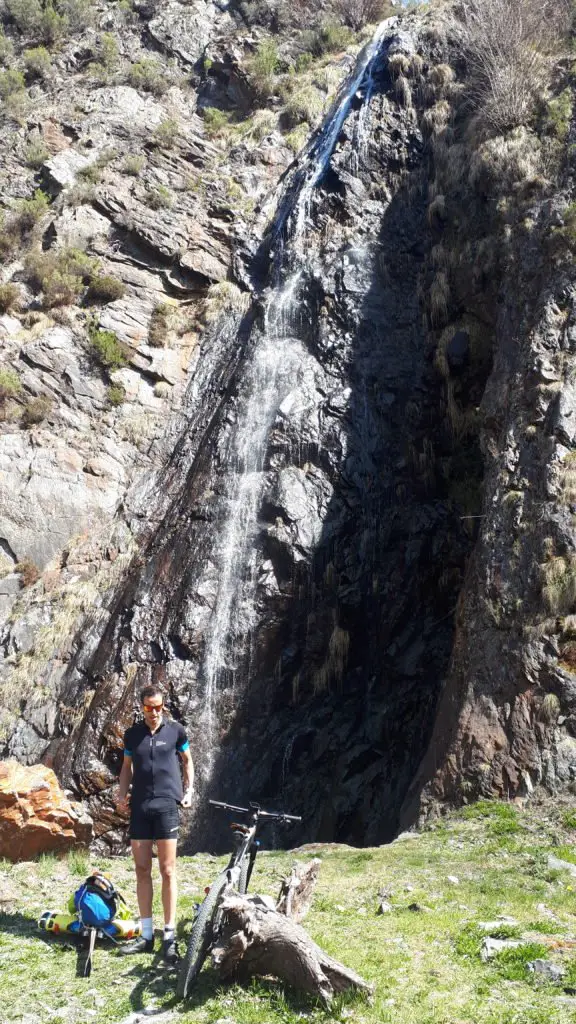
(152, 710)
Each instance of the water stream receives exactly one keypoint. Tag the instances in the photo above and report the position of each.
(269, 377)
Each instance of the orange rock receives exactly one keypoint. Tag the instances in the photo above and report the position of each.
(35, 815)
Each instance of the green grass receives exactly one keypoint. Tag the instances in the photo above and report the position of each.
(426, 966)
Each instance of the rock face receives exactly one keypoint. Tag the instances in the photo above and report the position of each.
(35, 815)
(330, 509)
(332, 634)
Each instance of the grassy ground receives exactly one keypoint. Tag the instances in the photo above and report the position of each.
(422, 954)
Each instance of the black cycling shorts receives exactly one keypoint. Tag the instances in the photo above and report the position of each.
(157, 818)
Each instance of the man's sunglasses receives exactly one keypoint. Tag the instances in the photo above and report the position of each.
(153, 707)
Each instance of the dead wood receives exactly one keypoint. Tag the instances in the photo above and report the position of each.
(297, 890)
(257, 940)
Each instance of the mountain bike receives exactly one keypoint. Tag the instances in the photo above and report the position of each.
(235, 876)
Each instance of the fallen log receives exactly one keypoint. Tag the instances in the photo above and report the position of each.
(257, 940)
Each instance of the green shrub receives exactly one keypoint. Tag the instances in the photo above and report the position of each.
(26, 13)
(11, 81)
(61, 276)
(115, 394)
(330, 36)
(10, 297)
(30, 211)
(469, 941)
(78, 14)
(105, 288)
(50, 21)
(159, 325)
(159, 198)
(305, 105)
(107, 52)
(53, 26)
(133, 164)
(37, 62)
(166, 133)
(147, 75)
(297, 139)
(10, 385)
(35, 154)
(215, 119)
(6, 47)
(92, 173)
(512, 963)
(304, 62)
(559, 115)
(263, 66)
(569, 819)
(20, 222)
(109, 351)
(36, 410)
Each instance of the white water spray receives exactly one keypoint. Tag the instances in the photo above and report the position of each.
(269, 378)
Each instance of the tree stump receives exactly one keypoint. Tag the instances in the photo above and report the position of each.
(297, 890)
(257, 938)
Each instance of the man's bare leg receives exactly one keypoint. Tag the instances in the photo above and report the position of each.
(142, 854)
(167, 864)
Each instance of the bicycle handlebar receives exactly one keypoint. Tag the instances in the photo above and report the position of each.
(253, 810)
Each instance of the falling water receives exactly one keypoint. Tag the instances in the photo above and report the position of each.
(269, 378)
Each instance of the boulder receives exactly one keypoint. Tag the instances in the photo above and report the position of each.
(35, 815)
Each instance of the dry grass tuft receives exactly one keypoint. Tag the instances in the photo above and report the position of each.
(333, 668)
(437, 211)
(439, 298)
(506, 164)
(549, 710)
(559, 585)
(225, 298)
(398, 65)
(403, 92)
(436, 118)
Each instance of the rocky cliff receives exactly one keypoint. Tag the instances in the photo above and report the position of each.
(287, 426)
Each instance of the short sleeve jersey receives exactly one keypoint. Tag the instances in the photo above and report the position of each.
(155, 764)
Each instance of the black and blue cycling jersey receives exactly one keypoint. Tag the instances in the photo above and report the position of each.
(155, 764)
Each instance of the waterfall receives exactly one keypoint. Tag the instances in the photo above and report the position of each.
(269, 376)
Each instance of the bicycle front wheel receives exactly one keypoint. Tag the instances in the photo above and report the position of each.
(200, 937)
(243, 880)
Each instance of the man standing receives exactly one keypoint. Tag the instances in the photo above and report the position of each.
(151, 750)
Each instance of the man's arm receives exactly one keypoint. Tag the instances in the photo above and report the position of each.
(124, 783)
(187, 776)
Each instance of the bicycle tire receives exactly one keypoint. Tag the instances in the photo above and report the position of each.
(243, 880)
(200, 938)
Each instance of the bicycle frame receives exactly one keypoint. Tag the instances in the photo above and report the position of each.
(245, 835)
(236, 875)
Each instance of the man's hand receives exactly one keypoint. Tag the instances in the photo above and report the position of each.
(122, 804)
(187, 798)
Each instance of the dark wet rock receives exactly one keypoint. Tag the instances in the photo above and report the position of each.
(458, 351)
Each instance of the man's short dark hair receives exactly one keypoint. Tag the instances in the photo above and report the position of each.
(150, 691)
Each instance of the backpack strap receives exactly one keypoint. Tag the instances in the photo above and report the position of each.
(88, 960)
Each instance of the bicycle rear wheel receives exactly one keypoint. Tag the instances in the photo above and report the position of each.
(200, 937)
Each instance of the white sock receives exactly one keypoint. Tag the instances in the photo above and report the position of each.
(147, 927)
(169, 931)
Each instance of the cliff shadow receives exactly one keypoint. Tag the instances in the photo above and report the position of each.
(344, 676)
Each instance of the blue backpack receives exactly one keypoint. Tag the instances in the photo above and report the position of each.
(97, 902)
